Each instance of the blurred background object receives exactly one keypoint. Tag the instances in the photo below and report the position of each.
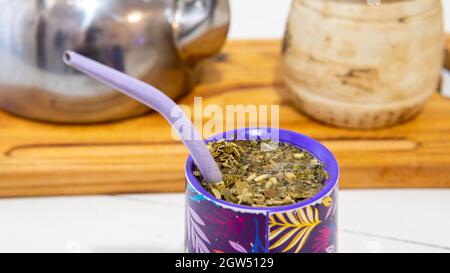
(445, 79)
(349, 64)
(158, 41)
(269, 21)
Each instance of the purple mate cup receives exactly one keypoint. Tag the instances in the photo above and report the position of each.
(214, 225)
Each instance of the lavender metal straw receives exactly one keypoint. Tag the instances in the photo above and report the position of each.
(154, 99)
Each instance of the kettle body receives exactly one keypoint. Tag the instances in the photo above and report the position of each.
(157, 41)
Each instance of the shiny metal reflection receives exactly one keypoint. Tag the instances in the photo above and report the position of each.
(158, 41)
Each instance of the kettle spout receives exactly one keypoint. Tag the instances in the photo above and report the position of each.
(200, 28)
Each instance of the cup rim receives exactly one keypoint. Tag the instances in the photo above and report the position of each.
(287, 136)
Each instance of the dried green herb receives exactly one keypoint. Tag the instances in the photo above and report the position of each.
(263, 173)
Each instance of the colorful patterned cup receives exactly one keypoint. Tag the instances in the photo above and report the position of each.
(214, 225)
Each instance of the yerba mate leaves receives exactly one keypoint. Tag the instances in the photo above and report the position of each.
(264, 173)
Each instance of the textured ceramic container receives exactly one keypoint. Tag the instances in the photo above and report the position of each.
(351, 64)
(214, 225)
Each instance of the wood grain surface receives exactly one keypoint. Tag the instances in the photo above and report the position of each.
(139, 155)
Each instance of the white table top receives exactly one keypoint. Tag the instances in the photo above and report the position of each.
(369, 221)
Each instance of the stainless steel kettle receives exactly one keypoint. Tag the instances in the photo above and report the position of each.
(158, 41)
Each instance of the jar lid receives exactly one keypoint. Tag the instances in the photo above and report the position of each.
(372, 10)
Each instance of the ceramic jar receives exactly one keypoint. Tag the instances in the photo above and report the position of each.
(353, 64)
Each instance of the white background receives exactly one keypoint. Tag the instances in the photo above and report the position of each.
(369, 220)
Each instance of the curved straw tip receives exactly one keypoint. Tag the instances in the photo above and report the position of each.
(67, 57)
(214, 178)
(212, 173)
(155, 99)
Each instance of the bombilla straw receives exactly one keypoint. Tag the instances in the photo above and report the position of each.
(158, 101)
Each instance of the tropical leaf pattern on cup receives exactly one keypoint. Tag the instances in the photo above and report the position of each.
(331, 205)
(236, 246)
(290, 230)
(211, 227)
(195, 233)
(321, 241)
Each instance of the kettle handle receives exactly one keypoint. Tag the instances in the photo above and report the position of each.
(200, 28)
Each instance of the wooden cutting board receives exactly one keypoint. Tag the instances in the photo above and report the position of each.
(139, 155)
